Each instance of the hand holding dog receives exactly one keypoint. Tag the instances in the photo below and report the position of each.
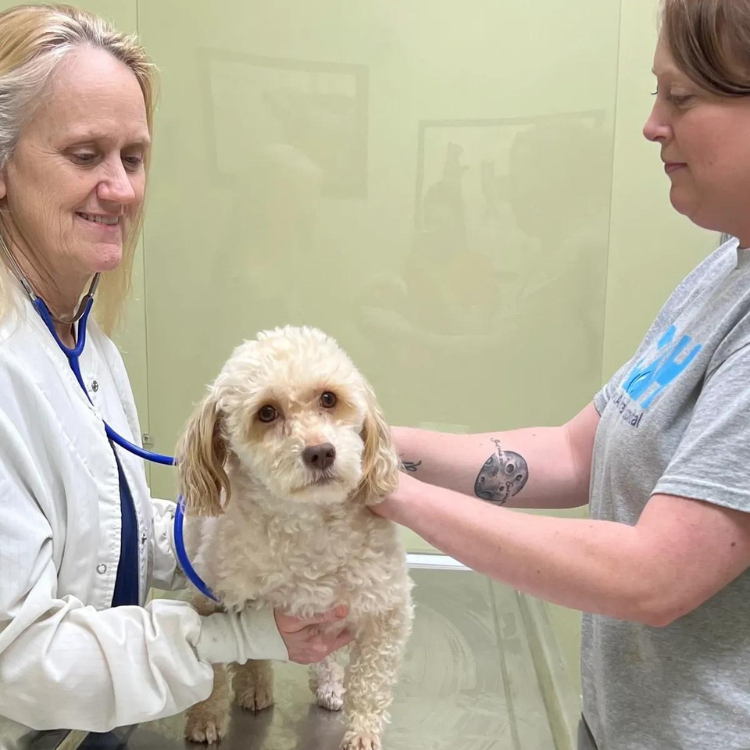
(309, 641)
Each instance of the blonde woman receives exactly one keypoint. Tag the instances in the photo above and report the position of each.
(81, 540)
(662, 455)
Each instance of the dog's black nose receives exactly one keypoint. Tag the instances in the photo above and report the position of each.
(319, 456)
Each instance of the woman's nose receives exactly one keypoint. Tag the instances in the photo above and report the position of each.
(117, 186)
(657, 128)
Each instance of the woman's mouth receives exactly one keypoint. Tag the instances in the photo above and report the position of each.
(108, 221)
(671, 166)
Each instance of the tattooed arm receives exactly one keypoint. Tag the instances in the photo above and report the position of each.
(679, 554)
(545, 467)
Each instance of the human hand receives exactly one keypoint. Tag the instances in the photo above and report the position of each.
(310, 640)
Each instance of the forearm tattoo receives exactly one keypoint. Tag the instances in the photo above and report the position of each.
(411, 465)
(503, 475)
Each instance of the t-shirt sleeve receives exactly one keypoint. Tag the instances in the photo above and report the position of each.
(712, 461)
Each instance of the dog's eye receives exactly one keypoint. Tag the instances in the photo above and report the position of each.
(267, 414)
(328, 400)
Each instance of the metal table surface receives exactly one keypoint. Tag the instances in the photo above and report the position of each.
(468, 683)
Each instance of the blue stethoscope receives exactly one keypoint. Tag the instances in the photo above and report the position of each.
(73, 355)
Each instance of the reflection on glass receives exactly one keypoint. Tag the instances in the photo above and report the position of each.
(505, 276)
(348, 183)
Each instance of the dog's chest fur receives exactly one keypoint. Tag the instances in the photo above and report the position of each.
(305, 565)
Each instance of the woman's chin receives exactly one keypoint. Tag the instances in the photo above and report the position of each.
(681, 202)
(108, 258)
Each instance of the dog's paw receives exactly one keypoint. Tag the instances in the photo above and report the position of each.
(330, 696)
(206, 729)
(353, 741)
(255, 697)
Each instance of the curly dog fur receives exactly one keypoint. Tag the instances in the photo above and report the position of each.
(278, 466)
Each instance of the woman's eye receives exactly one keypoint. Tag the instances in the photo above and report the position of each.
(328, 400)
(678, 100)
(267, 414)
(133, 162)
(84, 157)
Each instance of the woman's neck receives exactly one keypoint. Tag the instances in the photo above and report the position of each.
(61, 295)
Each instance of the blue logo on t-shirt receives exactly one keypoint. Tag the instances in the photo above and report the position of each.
(645, 382)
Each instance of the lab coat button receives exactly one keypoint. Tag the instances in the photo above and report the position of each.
(94, 386)
(101, 568)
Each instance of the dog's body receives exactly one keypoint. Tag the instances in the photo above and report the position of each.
(292, 435)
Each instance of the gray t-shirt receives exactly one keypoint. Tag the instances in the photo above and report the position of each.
(676, 420)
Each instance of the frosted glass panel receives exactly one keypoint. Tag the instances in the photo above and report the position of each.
(429, 183)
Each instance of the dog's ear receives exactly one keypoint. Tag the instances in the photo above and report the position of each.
(201, 455)
(379, 460)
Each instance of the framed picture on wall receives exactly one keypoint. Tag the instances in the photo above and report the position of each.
(466, 169)
(295, 117)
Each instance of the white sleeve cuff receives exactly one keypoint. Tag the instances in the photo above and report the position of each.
(229, 637)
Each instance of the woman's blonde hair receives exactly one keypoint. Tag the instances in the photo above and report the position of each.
(34, 39)
(709, 41)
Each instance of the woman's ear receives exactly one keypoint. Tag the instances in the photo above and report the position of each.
(201, 454)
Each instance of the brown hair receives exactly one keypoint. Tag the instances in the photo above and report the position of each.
(34, 39)
(709, 41)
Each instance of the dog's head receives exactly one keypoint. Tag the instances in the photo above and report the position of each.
(298, 418)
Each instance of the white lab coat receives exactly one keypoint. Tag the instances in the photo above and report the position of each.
(66, 659)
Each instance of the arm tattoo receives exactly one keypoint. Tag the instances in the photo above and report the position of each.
(503, 475)
(411, 465)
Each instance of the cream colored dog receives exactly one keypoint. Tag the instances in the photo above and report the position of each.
(278, 466)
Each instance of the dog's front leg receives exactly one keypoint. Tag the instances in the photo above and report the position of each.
(252, 683)
(327, 682)
(375, 660)
(208, 720)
